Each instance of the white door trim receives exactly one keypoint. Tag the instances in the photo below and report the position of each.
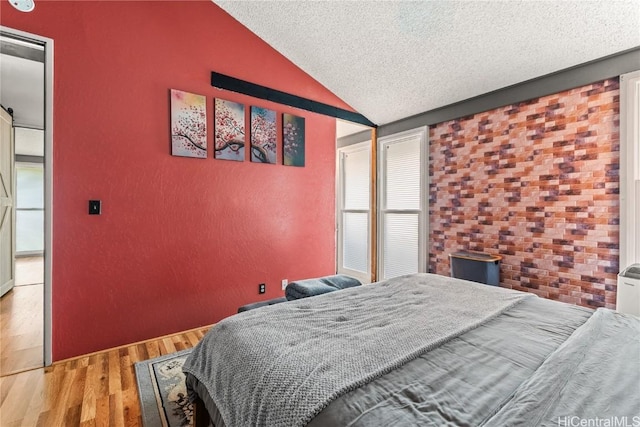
(48, 180)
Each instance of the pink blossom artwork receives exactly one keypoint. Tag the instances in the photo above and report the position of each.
(188, 124)
(263, 135)
(229, 139)
(293, 140)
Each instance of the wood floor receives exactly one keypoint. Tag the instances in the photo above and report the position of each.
(21, 329)
(95, 390)
(29, 271)
(21, 319)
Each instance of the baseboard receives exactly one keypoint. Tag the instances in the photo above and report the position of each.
(57, 362)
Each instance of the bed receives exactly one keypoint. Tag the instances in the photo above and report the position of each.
(418, 350)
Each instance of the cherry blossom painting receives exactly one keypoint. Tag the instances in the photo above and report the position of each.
(229, 138)
(188, 124)
(293, 140)
(263, 135)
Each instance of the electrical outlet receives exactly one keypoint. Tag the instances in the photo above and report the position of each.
(262, 288)
(285, 282)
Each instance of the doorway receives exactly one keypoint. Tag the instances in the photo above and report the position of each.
(27, 75)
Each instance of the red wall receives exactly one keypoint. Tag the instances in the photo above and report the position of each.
(181, 242)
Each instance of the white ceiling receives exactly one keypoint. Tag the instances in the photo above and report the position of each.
(393, 59)
(22, 88)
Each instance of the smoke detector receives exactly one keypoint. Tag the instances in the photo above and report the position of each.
(23, 5)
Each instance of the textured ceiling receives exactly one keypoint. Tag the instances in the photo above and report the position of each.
(391, 60)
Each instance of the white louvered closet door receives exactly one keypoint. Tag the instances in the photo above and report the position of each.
(403, 182)
(354, 214)
(629, 169)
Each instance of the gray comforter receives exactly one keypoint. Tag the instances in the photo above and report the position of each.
(265, 367)
(594, 375)
(465, 381)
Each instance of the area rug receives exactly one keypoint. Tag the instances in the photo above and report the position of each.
(162, 390)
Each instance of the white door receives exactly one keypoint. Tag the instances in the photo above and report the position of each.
(354, 211)
(7, 215)
(402, 226)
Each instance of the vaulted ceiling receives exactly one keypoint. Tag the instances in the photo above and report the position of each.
(393, 59)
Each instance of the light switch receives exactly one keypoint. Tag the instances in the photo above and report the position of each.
(94, 207)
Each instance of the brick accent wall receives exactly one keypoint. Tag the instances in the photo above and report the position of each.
(537, 183)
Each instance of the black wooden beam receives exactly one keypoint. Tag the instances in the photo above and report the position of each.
(222, 81)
